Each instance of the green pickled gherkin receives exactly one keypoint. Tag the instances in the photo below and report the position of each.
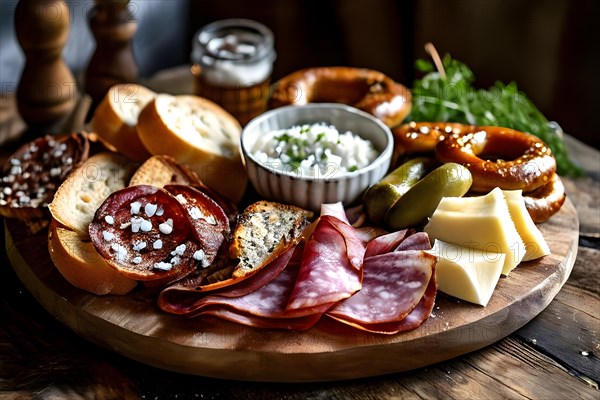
(421, 200)
(381, 196)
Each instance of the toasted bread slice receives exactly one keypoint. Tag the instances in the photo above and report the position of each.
(80, 264)
(32, 174)
(264, 230)
(116, 117)
(80, 195)
(200, 134)
(163, 170)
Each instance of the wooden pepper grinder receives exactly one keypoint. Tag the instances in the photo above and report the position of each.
(113, 27)
(47, 90)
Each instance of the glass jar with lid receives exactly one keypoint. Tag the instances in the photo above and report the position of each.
(232, 64)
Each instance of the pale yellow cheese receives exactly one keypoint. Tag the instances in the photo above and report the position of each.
(466, 273)
(481, 223)
(535, 244)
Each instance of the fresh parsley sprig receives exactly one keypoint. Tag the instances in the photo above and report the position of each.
(449, 95)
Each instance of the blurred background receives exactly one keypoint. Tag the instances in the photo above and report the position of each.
(550, 48)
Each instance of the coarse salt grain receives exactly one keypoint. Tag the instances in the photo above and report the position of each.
(166, 227)
(146, 225)
(150, 209)
(163, 266)
(108, 236)
(135, 207)
(139, 246)
(136, 223)
(179, 250)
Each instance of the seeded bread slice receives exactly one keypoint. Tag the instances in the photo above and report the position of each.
(264, 230)
(80, 195)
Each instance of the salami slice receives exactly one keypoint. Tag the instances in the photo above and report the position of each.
(386, 243)
(393, 285)
(144, 233)
(413, 320)
(209, 222)
(185, 297)
(240, 317)
(416, 241)
(264, 307)
(331, 263)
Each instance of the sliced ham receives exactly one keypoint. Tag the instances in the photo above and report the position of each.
(393, 285)
(331, 268)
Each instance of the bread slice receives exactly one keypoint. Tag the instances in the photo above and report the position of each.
(200, 134)
(80, 195)
(264, 230)
(164, 170)
(116, 117)
(78, 262)
(30, 177)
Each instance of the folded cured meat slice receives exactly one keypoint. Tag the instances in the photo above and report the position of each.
(185, 297)
(294, 324)
(264, 307)
(209, 222)
(331, 263)
(388, 242)
(393, 284)
(413, 320)
(144, 233)
(416, 241)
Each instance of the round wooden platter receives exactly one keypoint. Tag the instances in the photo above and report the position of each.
(133, 325)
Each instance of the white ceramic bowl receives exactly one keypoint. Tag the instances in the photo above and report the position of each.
(308, 192)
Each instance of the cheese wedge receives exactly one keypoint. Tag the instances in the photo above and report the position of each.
(535, 244)
(481, 223)
(466, 273)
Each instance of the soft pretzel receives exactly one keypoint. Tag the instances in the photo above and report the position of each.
(499, 157)
(544, 202)
(366, 89)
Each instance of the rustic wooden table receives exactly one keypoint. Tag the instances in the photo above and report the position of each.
(555, 356)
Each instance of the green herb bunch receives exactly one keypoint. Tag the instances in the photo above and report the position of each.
(453, 98)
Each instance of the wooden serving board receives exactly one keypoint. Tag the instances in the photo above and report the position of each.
(134, 326)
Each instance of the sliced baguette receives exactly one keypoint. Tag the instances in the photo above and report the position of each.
(164, 170)
(78, 262)
(80, 195)
(200, 134)
(116, 117)
(264, 230)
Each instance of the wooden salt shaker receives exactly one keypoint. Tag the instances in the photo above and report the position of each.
(47, 90)
(113, 27)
